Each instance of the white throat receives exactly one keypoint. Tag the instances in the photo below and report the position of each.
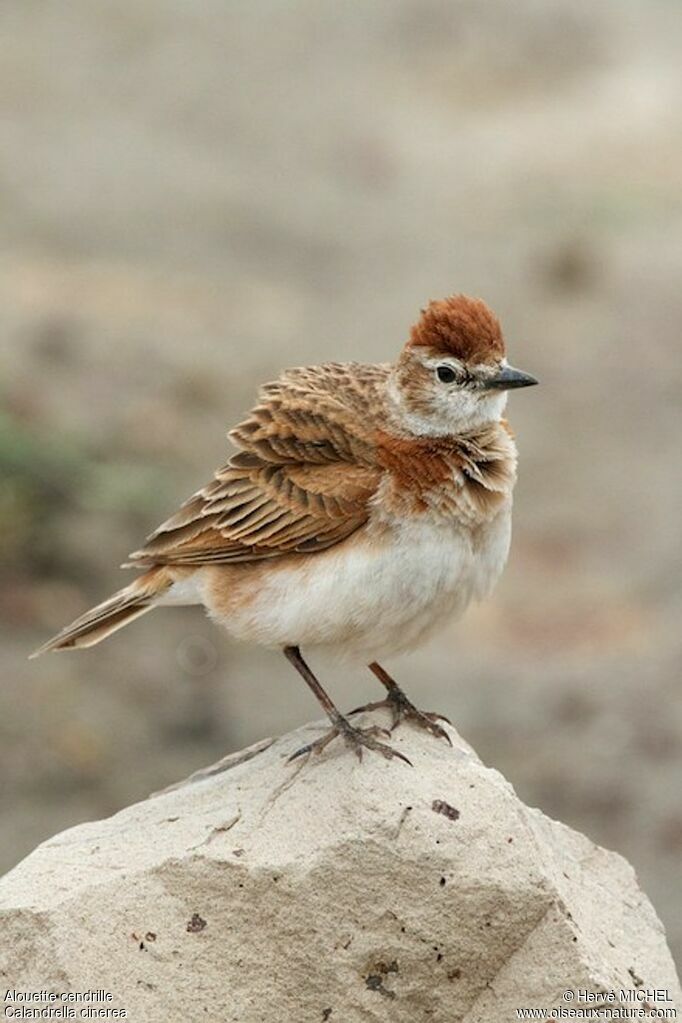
(451, 414)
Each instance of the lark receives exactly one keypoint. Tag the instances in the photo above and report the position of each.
(366, 506)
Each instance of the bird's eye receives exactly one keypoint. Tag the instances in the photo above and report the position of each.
(446, 374)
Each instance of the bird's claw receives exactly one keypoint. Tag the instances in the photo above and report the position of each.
(403, 709)
(358, 739)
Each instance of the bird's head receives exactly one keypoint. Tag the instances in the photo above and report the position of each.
(452, 375)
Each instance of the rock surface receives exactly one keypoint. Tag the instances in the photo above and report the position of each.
(264, 892)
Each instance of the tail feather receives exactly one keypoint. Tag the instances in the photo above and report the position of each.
(112, 614)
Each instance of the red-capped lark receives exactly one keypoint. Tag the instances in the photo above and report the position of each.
(366, 506)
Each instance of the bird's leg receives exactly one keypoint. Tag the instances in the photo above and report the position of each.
(401, 708)
(357, 738)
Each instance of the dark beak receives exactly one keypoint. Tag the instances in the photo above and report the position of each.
(509, 378)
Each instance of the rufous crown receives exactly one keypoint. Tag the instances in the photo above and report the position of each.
(460, 326)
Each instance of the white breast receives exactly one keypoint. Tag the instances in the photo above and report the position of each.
(372, 597)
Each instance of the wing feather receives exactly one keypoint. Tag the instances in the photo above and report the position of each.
(301, 480)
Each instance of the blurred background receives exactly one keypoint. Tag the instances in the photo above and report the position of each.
(195, 195)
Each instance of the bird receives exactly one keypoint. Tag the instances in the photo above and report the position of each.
(366, 505)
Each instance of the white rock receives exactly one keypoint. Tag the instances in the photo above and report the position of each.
(331, 890)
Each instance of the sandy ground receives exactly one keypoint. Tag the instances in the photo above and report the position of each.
(196, 195)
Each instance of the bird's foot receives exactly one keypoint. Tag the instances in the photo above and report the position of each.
(403, 709)
(358, 739)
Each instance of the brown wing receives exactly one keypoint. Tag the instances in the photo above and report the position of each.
(301, 482)
(316, 415)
